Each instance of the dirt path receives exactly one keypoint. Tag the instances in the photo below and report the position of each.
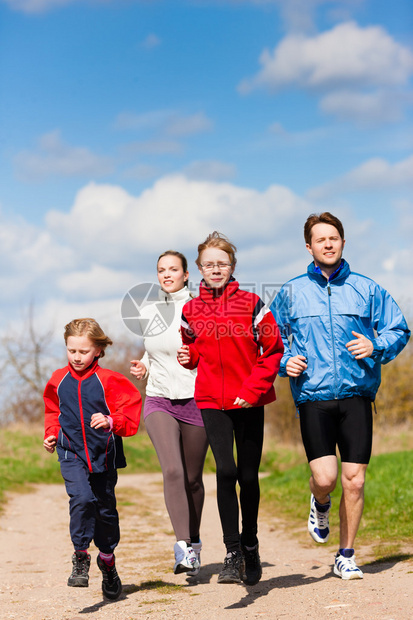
(297, 581)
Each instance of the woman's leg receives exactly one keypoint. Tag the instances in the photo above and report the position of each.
(249, 434)
(194, 449)
(220, 432)
(165, 434)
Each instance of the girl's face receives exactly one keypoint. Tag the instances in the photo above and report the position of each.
(81, 352)
(171, 274)
(215, 267)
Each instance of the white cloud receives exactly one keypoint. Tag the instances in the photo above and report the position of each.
(88, 258)
(55, 158)
(346, 55)
(364, 107)
(152, 147)
(210, 171)
(143, 172)
(37, 6)
(374, 174)
(348, 65)
(151, 41)
(165, 122)
(188, 125)
(96, 283)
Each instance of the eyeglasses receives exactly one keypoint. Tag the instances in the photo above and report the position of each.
(220, 266)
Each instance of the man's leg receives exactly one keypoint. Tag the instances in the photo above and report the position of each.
(324, 473)
(352, 502)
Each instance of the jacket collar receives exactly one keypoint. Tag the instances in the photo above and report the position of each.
(90, 370)
(181, 295)
(339, 275)
(209, 295)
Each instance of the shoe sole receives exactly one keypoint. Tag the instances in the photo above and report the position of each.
(347, 576)
(181, 568)
(112, 596)
(317, 538)
(229, 580)
(84, 583)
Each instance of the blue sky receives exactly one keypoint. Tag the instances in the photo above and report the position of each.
(130, 127)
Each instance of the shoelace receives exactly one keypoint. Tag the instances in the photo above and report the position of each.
(322, 518)
(350, 564)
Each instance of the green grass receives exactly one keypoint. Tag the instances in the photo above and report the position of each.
(24, 461)
(388, 514)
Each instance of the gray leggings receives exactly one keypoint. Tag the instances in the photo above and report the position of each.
(181, 450)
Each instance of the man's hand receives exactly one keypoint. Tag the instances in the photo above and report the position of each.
(361, 347)
(296, 365)
(50, 443)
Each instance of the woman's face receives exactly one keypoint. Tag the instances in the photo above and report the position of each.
(215, 267)
(171, 275)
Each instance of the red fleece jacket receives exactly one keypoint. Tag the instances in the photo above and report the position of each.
(235, 344)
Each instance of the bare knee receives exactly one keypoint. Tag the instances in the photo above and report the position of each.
(324, 483)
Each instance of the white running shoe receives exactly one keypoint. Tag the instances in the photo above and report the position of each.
(197, 547)
(346, 568)
(318, 524)
(185, 558)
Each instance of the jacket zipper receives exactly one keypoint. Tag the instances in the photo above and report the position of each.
(82, 422)
(332, 339)
(220, 362)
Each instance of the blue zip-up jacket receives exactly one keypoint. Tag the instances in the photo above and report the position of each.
(316, 318)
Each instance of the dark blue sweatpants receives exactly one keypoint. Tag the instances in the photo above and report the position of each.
(92, 505)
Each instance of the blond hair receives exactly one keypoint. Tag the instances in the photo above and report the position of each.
(91, 329)
(220, 241)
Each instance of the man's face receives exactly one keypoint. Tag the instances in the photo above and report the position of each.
(326, 245)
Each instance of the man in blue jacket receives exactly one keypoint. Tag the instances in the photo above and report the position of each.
(338, 327)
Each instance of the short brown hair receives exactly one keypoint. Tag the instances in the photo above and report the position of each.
(321, 218)
(220, 241)
(91, 329)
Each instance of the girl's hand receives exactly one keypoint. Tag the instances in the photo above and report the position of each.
(242, 403)
(183, 354)
(98, 420)
(138, 369)
(50, 443)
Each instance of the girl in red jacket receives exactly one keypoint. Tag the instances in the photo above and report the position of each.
(231, 337)
(87, 411)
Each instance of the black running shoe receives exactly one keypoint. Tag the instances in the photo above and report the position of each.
(80, 571)
(111, 584)
(253, 570)
(233, 568)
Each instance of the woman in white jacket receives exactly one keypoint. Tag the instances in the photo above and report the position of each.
(172, 419)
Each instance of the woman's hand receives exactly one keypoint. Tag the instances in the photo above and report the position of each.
(138, 369)
(242, 403)
(183, 354)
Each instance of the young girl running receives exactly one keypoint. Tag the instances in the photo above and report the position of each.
(172, 419)
(87, 411)
(232, 339)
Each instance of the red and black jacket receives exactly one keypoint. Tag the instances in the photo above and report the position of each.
(71, 400)
(235, 344)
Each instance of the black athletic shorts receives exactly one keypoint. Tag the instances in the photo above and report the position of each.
(346, 423)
